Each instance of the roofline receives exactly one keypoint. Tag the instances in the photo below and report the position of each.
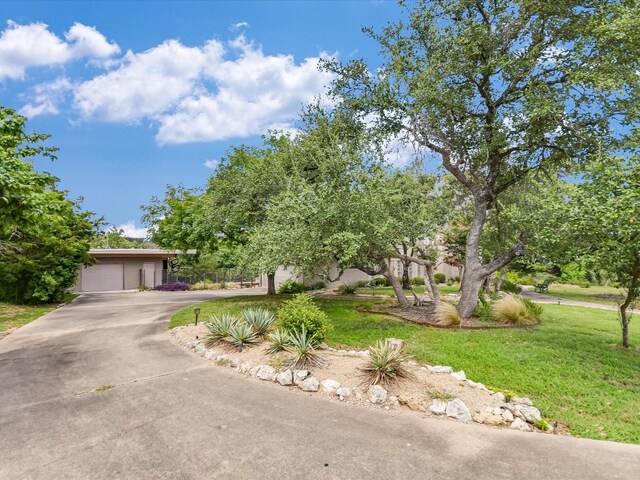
(114, 252)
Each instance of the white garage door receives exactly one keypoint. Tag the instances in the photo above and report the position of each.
(103, 278)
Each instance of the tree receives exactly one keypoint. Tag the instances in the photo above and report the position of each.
(44, 236)
(497, 89)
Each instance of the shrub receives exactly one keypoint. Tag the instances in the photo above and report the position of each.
(385, 365)
(416, 281)
(440, 277)
(223, 285)
(241, 334)
(301, 345)
(534, 309)
(173, 287)
(512, 310)
(347, 289)
(317, 286)
(278, 340)
(219, 328)
(572, 273)
(301, 311)
(291, 286)
(510, 287)
(381, 282)
(483, 311)
(259, 319)
(362, 283)
(447, 315)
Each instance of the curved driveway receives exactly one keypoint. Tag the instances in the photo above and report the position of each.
(173, 415)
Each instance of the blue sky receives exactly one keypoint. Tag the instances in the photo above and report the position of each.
(139, 95)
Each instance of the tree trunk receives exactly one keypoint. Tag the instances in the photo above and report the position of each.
(501, 278)
(431, 285)
(271, 283)
(624, 320)
(486, 283)
(397, 288)
(632, 294)
(406, 283)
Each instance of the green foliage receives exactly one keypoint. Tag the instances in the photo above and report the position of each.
(241, 335)
(302, 345)
(278, 341)
(291, 286)
(574, 274)
(440, 277)
(347, 289)
(535, 309)
(483, 311)
(385, 365)
(447, 315)
(317, 286)
(259, 319)
(301, 311)
(219, 328)
(44, 236)
(541, 425)
(510, 287)
(512, 310)
(381, 282)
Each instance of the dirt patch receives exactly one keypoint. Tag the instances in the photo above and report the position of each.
(425, 315)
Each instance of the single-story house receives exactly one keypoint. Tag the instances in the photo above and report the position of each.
(124, 269)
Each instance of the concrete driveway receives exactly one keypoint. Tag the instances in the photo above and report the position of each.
(174, 415)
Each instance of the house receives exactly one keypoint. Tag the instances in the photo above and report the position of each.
(118, 269)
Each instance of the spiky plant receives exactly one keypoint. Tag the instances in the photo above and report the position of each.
(511, 309)
(447, 315)
(278, 340)
(385, 365)
(219, 328)
(301, 345)
(260, 319)
(240, 335)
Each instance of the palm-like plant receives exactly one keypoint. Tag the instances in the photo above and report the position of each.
(260, 319)
(301, 345)
(241, 334)
(278, 340)
(219, 328)
(385, 365)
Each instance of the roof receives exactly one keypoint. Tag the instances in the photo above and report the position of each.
(137, 252)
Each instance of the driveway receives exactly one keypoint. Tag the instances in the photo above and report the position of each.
(173, 415)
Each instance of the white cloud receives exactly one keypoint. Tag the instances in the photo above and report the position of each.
(32, 45)
(47, 97)
(237, 26)
(130, 230)
(212, 164)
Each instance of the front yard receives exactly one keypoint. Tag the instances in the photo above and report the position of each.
(572, 366)
(15, 316)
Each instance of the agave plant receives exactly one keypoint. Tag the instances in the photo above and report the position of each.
(301, 345)
(260, 319)
(385, 365)
(279, 341)
(241, 334)
(219, 328)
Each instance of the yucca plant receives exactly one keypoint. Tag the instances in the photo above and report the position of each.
(385, 365)
(260, 319)
(219, 328)
(447, 315)
(511, 309)
(278, 340)
(240, 335)
(301, 345)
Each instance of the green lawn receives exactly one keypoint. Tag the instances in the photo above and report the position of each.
(388, 291)
(572, 366)
(586, 294)
(15, 316)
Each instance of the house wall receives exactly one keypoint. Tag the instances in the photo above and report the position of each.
(132, 267)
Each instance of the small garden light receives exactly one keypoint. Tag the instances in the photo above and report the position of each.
(197, 312)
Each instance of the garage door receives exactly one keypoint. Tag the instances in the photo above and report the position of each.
(103, 278)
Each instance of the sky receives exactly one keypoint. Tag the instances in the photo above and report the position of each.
(139, 95)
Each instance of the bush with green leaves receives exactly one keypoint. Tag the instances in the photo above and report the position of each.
(302, 345)
(347, 289)
(317, 286)
(381, 282)
(440, 277)
(259, 319)
(510, 287)
(385, 365)
(301, 311)
(291, 286)
(219, 328)
(241, 334)
(416, 281)
(574, 274)
(483, 310)
(534, 309)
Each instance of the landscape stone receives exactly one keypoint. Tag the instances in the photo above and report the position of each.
(530, 414)
(330, 385)
(200, 349)
(376, 394)
(440, 369)
(458, 410)
(343, 392)
(438, 407)
(299, 375)
(507, 416)
(522, 401)
(244, 367)
(395, 343)
(266, 372)
(500, 396)
(393, 400)
(488, 418)
(519, 424)
(209, 355)
(285, 378)
(309, 384)
(460, 376)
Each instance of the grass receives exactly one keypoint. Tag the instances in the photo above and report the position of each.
(572, 366)
(388, 291)
(586, 294)
(15, 316)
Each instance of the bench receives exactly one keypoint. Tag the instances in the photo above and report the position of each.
(542, 287)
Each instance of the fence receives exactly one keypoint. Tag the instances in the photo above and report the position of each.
(152, 278)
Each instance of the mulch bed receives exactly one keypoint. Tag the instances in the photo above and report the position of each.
(426, 316)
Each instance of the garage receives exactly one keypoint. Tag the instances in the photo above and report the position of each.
(103, 278)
